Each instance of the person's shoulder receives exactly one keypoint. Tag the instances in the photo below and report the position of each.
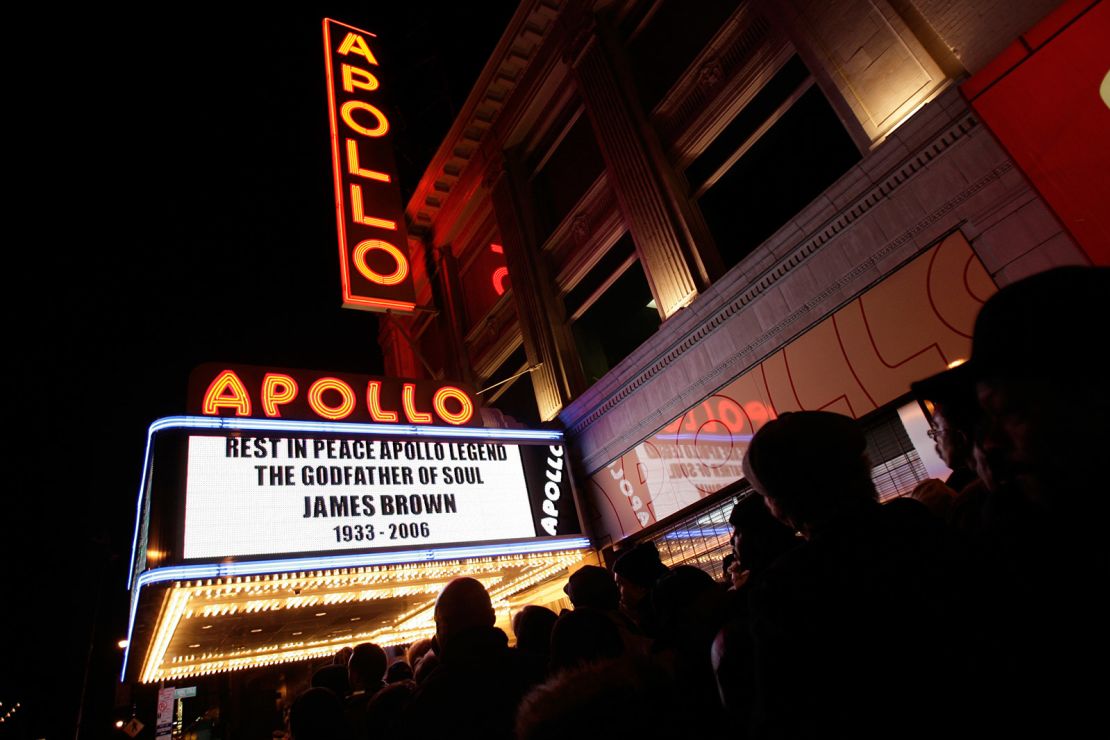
(781, 579)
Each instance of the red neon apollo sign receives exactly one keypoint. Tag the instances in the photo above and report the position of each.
(373, 248)
(283, 393)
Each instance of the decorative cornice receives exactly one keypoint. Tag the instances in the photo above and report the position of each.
(757, 350)
(582, 237)
(517, 48)
(710, 74)
(606, 399)
(725, 75)
(581, 35)
(490, 342)
(495, 167)
(580, 229)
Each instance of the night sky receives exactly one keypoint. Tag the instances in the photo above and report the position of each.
(170, 203)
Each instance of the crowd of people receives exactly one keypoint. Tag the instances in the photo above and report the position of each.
(971, 607)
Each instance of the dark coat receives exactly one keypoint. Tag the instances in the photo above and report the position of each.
(858, 631)
(475, 690)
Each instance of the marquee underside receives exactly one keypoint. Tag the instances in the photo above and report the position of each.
(225, 624)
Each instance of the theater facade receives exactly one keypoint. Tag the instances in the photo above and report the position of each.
(656, 229)
(647, 233)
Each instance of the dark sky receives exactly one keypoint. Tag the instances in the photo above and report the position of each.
(172, 204)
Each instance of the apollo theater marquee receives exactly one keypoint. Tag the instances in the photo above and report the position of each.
(290, 513)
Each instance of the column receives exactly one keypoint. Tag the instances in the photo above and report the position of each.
(449, 299)
(675, 250)
(397, 354)
(867, 60)
(541, 315)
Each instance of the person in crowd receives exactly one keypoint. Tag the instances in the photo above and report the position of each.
(758, 540)
(317, 714)
(1041, 380)
(366, 669)
(421, 655)
(593, 587)
(954, 412)
(479, 680)
(687, 603)
(384, 714)
(334, 678)
(582, 637)
(631, 697)
(398, 671)
(955, 416)
(417, 650)
(731, 572)
(1038, 361)
(364, 674)
(343, 656)
(959, 428)
(636, 572)
(857, 628)
(532, 627)
(690, 609)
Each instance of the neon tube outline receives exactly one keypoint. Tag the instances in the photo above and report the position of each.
(289, 425)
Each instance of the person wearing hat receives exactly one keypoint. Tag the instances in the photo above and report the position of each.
(593, 588)
(1039, 368)
(1038, 359)
(636, 571)
(856, 628)
(954, 411)
(955, 419)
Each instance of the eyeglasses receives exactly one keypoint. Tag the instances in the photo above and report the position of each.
(934, 433)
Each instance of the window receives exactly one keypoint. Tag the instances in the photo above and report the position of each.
(484, 279)
(612, 310)
(896, 468)
(673, 37)
(779, 153)
(572, 167)
(516, 397)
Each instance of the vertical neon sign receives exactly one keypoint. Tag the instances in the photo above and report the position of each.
(373, 254)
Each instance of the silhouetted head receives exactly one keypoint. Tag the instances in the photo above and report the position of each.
(343, 656)
(367, 666)
(584, 636)
(398, 671)
(810, 467)
(417, 650)
(636, 571)
(632, 697)
(685, 601)
(726, 567)
(593, 587)
(463, 605)
(954, 408)
(758, 538)
(332, 677)
(532, 629)
(1038, 359)
(317, 714)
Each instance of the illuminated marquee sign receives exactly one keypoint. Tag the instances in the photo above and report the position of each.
(282, 393)
(248, 519)
(248, 496)
(373, 251)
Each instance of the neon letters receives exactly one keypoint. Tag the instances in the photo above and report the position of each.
(374, 265)
(245, 390)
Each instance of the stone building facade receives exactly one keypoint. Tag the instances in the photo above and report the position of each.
(657, 224)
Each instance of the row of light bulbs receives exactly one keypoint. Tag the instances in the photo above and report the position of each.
(416, 623)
